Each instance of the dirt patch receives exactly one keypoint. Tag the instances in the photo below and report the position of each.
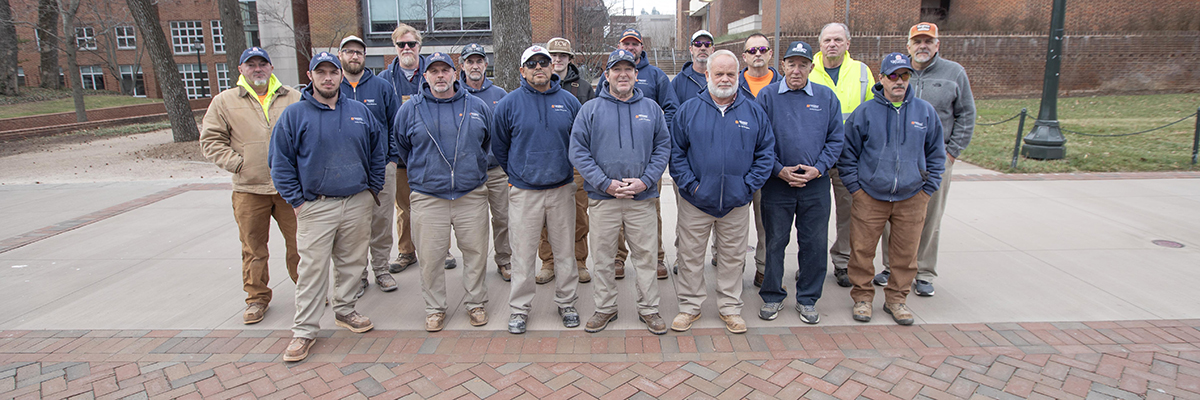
(89, 158)
(186, 151)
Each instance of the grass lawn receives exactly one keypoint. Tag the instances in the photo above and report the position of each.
(1168, 149)
(91, 101)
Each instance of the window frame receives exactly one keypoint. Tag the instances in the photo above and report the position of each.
(177, 28)
(126, 37)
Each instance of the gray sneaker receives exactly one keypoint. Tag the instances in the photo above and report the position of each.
(451, 263)
(808, 314)
(570, 317)
(770, 311)
(923, 288)
(516, 324)
(881, 278)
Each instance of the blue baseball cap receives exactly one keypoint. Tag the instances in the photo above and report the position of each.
(893, 62)
(617, 56)
(473, 49)
(254, 52)
(438, 56)
(324, 57)
(799, 49)
(631, 33)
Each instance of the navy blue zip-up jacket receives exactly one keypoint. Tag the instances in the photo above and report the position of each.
(404, 87)
(379, 97)
(808, 126)
(444, 142)
(893, 153)
(613, 140)
(719, 161)
(321, 151)
(531, 133)
(655, 86)
(688, 83)
(491, 95)
(744, 86)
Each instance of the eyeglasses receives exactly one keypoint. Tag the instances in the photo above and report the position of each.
(352, 53)
(759, 49)
(411, 45)
(701, 43)
(531, 64)
(901, 76)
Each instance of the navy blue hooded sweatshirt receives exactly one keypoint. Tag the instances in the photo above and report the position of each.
(530, 135)
(379, 97)
(613, 140)
(688, 83)
(321, 151)
(808, 127)
(655, 86)
(491, 95)
(404, 87)
(444, 142)
(893, 153)
(719, 160)
(744, 87)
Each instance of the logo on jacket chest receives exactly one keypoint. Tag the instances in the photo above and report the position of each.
(369, 102)
(475, 116)
(358, 120)
(741, 124)
(642, 117)
(917, 125)
(812, 107)
(559, 108)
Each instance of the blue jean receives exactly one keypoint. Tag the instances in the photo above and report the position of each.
(808, 208)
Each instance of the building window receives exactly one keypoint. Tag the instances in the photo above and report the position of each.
(126, 37)
(218, 36)
(93, 77)
(194, 80)
(85, 38)
(184, 33)
(222, 77)
(250, 22)
(430, 15)
(20, 76)
(132, 81)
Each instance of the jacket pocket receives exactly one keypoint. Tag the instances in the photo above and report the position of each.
(255, 170)
(342, 180)
(879, 177)
(545, 167)
(708, 193)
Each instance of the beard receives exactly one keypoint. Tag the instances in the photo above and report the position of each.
(440, 88)
(407, 59)
(260, 82)
(328, 95)
(923, 57)
(353, 68)
(722, 93)
(759, 63)
(474, 76)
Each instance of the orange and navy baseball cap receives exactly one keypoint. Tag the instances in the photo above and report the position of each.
(631, 34)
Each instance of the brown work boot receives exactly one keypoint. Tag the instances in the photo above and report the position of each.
(862, 311)
(654, 323)
(662, 270)
(584, 276)
(619, 266)
(478, 316)
(546, 274)
(899, 312)
(734, 323)
(386, 282)
(599, 321)
(758, 278)
(254, 313)
(505, 271)
(403, 261)
(354, 321)
(435, 322)
(684, 321)
(298, 349)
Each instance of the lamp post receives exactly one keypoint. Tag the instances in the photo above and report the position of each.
(202, 74)
(1046, 141)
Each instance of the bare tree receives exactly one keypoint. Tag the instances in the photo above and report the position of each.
(512, 32)
(105, 17)
(8, 52)
(68, 11)
(233, 28)
(179, 111)
(47, 35)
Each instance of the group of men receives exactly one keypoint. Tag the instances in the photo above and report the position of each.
(563, 167)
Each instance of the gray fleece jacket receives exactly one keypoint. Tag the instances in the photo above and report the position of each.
(944, 85)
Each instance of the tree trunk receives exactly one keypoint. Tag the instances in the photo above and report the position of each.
(8, 52)
(512, 34)
(235, 34)
(179, 111)
(68, 10)
(47, 33)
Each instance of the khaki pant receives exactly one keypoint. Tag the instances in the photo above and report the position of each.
(497, 198)
(927, 253)
(528, 212)
(253, 213)
(867, 218)
(640, 224)
(433, 219)
(337, 229)
(730, 235)
(404, 243)
(381, 224)
(623, 252)
(839, 253)
(581, 227)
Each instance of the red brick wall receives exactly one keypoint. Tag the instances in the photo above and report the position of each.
(331, 20)
(1090, 16)
(99, 114)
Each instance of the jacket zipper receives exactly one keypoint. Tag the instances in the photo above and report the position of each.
(896, 176)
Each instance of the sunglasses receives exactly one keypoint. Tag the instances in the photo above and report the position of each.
(701, 43)
(411, 45)
(901, 76)
(759, 49)
(531, 64)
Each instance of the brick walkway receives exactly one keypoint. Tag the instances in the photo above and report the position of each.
(1093, 360)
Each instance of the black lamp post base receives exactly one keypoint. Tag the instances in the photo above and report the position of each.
(1040, 152)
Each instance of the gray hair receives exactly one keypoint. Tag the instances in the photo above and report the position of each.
(725, 53)
(832, 24)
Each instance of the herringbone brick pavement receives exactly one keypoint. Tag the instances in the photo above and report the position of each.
(1074, 360)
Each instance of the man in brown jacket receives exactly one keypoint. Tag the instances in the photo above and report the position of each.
(236, 134)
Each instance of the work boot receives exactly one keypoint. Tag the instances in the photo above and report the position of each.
(899, 313)
(403, 261)
(599, 321)
(654, 323)
(255, 312)
(435, 322)
(570, 317)
(661, 270)
(478, 316)
(684, 321)
(584, 276)
(734, 323)
(619, 267)
(450, 261)
(505, 271)
(546, 274)
(353, 321)
(842, 276)
(386, 282)
(758, 278)
(297, 350)
(862, 311)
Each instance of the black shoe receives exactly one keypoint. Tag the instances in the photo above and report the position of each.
(570, 317)
(451, 262)
(516, 323)
(362, 289)
(923, 288)
(881, 278)
(842, 276)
